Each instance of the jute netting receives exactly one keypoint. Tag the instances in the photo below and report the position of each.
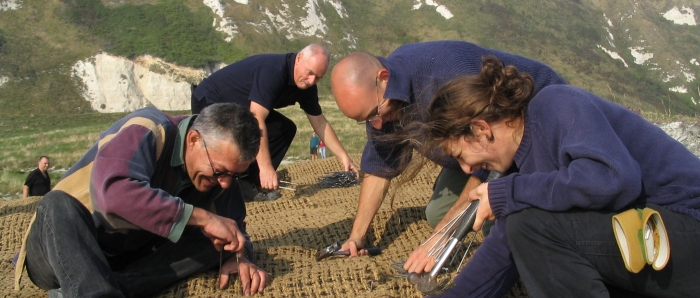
(287, 233)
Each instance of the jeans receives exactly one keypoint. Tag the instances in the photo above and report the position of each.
(63, 252)
(574, 254)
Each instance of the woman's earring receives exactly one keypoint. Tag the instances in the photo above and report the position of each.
(492, 138)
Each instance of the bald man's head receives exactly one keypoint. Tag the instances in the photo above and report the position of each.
(354, 84)
(310, 65)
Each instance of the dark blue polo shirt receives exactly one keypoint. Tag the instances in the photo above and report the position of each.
(417, 70)
(266, 79)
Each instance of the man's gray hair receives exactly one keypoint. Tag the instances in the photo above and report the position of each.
(230, 122)
(314, 49)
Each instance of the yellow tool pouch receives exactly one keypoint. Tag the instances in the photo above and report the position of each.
(642, 239)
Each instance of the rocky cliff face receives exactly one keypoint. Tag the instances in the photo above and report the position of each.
(686, 133)
(117, 84)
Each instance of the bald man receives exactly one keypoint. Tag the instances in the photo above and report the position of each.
(38, 182)
(264, 83)
(375, 90)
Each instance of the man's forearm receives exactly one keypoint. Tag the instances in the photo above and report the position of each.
(199, 217)
(461, 203)
(25, 191)
(372, 194)
(263, 158)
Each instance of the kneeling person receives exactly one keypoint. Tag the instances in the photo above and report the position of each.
(147, 206)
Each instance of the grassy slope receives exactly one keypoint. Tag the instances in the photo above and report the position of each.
(38, 50)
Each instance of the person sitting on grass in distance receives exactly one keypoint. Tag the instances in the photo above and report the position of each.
(154, 201)
(572, 161)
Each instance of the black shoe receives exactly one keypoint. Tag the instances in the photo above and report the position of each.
(267, 196)
(248, 190)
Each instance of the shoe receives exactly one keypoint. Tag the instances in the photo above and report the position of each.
(248, 190)
(267, 196)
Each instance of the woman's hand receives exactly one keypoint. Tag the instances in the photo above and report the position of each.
(419, 261)
(484, 211)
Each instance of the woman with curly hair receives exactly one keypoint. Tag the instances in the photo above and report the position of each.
(572, 161)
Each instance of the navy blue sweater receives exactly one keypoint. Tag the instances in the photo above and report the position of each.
(580, 151)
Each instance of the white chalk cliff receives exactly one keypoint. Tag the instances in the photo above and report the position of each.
(117, 84)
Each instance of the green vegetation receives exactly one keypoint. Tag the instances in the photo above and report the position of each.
(64, 139)
(351, 135)
(169, 30)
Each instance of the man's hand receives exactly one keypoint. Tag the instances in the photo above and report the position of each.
(220, 230)
(253, 279)
(372, 193)
(354, 246)
(268, 178)
(484, 212)
(348, 165)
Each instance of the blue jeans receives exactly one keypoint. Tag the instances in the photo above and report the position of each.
(63, 252)
(574, 254)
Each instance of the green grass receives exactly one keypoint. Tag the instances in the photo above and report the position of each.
(64, 138)
(170, 30)
(351, 135)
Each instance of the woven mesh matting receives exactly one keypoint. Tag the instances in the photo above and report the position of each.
(287, 233)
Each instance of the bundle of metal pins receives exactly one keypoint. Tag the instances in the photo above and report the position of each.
(339, 179)
(438, 248)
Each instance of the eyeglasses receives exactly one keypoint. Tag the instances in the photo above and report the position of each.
(379, 106)
(218, 174)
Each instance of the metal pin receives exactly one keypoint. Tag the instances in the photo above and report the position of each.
(238, 275)
(221, 257)
(459, 268)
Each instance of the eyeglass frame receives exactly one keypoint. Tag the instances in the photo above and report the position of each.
(377, 116)
(218, 174)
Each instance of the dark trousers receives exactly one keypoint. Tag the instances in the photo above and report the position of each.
(574, 254)
(63, 252)
(280, 134)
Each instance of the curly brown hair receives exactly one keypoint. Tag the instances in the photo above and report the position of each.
(497, 93)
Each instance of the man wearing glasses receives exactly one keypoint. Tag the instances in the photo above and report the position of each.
(264, 83)
(143, 208)
(379, 92)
